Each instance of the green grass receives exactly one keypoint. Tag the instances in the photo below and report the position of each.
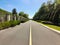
(8, 24)
(53, 26)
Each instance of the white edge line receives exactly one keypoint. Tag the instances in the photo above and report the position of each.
(51, 28)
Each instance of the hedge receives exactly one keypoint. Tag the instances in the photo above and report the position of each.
(9, 24)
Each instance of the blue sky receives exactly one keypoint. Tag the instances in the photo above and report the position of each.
(28, 6)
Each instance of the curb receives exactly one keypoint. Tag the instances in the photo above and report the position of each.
(54, 30)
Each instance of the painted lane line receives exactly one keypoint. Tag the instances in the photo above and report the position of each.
(30, 38)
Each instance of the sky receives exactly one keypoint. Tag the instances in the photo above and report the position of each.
(27, 6)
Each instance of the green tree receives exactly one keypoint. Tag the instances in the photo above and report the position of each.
(23, 14)
(14, 13)
(49, 12)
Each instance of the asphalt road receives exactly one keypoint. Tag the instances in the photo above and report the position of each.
(43, 36)
(23, 33)
(18, 35)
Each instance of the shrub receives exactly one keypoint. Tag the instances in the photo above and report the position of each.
(14, 23)
(9, 24)
(18, 22)
(6, 24)
(1, 27)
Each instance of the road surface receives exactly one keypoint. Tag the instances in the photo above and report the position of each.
(29, 32)
(43, 36)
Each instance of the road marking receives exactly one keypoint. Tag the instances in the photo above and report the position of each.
(30, 38)
(51, 28)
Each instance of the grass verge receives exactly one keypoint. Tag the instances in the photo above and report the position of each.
(51, 26)
(7, 24)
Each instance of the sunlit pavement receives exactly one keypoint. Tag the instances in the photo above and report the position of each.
(29, 33)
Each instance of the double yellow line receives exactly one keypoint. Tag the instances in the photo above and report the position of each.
(30, 38)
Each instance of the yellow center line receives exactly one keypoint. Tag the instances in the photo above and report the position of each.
(30, 38)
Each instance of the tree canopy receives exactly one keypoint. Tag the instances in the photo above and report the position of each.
(14, 11)
(23, 14)
(49, 12)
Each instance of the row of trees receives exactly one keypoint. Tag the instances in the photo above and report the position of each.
(8, 19)
(4, 15)
(49, 12)
(21, 15)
